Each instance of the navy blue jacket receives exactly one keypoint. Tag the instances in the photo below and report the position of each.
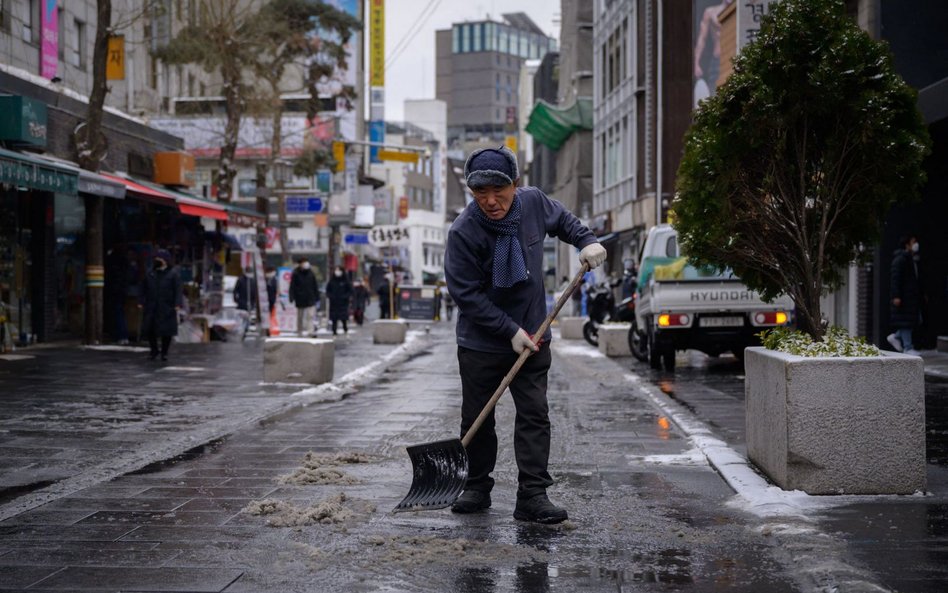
(488, 316)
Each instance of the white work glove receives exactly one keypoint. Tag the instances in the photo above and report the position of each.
(521, 340)
(593, 254)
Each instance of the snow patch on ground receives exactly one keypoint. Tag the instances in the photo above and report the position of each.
(14, 357)
(175, 369)
(336, 509)
(115, 348)
(690, 457)
(578, 350)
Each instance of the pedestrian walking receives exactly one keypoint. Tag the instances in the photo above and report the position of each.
(904, 296)
(360, 301)
(384, 291)
(494, 272)
(304, 293)
(339, 293)
(161, 302)
(271, 277)
(245, 296)
(245, 291)
(448, 304)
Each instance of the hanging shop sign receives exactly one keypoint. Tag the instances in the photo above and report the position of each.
(174, 168)
(22, 121)
(388, 235)
(25, 172)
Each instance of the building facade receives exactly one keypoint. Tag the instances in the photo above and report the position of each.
(642, 103)
(478, 76)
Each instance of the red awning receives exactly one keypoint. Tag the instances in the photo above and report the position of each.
(195, 210)
(165, 199)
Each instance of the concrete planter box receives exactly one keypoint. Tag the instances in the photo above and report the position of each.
(389, 331)
(571, 328)
(837, 425)
(614, 339)
(298, 360)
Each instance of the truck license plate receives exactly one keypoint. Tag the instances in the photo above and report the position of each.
(721, 321)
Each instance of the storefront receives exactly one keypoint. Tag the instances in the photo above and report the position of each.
(30, 189)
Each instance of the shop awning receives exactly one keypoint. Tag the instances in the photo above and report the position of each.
(551, 126)
(162, 198)
(89, 181)
(194, 210)
(192, 205)
(21, 169)
(244, 217)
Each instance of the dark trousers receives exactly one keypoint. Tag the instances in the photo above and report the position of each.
(153, 342)
(345, 325)
(481, 374)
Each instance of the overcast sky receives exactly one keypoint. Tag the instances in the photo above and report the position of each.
(412, 74)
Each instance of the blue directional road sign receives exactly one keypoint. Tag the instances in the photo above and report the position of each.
(303, 205)
(357, 239)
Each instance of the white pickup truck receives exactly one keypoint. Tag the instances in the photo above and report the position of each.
(680, 307)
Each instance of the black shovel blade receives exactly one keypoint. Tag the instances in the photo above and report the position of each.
(439, 472)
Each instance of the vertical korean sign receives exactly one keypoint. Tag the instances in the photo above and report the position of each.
(49, 39)
(376, 76)
(749, 15)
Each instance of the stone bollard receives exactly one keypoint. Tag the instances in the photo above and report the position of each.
(389, 331)
(298, 360)
(614, 339)
(571, 328)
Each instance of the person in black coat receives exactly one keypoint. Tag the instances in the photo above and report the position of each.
(161, 301)
(384, 291)
(271, 277)
(339, 293)
(904, 296)
(304, 293)
(245, 291)
(360, 300)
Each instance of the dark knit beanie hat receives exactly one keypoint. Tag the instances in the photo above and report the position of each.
(164, 254)
(491, 166)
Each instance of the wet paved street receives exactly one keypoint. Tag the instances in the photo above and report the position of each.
(253, 512)
(903, 540)
(73, 416)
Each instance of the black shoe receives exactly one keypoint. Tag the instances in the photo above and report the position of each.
(471, 501)
(539, 509)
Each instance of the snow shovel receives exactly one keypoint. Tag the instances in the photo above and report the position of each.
(439, 469)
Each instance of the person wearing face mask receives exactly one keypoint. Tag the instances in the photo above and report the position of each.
(339, 293)
(494, 270)
(904, 295)
(271, 276)
(304, 293)
(245, 291)
(161, 300)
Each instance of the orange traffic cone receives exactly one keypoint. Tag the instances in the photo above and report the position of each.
(274, 325)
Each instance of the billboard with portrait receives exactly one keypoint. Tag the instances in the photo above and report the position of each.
(706, 43)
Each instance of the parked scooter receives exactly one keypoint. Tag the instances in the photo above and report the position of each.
(601, 306)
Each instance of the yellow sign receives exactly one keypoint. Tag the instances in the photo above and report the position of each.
(377, 42)
(402, 157)
(511, 143)
(115, 65)
(339, 155)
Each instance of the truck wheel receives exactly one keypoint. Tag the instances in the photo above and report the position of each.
(591, 333)
(637, 343)
(668, 359)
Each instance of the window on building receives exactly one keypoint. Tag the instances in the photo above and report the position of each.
(31, 21)
(456, 39)
(477, 31)
(77, 44)
(190, 84)
(153, 72)
(61, 33)
(491, 41)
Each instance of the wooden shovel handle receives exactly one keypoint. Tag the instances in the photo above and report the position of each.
(523, 356)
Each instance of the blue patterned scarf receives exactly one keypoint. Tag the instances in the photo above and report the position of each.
(509, 265)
